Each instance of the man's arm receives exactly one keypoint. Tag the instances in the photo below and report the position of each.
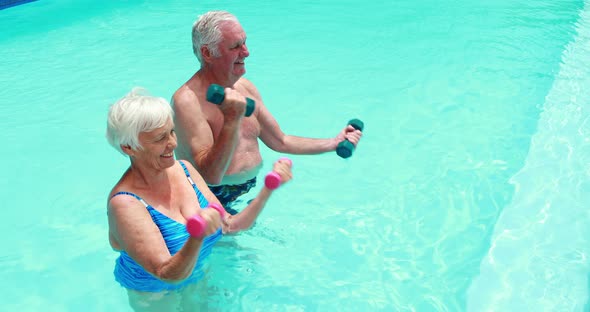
(210, 156)
(272, 135)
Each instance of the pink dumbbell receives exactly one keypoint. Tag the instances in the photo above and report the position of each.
(273, 179)
(196, 225)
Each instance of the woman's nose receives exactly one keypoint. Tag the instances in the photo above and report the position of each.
(172, 142)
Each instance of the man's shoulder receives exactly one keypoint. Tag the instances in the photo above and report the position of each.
(248, 86)
(184, 96)
(245, 83)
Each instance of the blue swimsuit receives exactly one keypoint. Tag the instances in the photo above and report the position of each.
(131, 275)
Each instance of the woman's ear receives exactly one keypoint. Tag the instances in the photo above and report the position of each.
(127, 150)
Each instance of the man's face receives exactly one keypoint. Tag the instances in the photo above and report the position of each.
(232, 51)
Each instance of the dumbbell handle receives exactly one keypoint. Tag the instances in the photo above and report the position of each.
(196, 225)
(345, 148)
(216, 95)
(273, 179)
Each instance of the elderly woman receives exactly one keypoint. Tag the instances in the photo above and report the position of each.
(149, 207)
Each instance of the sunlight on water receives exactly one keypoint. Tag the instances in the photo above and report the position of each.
(538, 259)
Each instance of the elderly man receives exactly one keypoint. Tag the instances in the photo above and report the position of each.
(218, 139)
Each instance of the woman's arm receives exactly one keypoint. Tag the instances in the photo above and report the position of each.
(245, 218)
(131, 226)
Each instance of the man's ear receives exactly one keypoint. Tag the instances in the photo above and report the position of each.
(205, 53)
(127, 150)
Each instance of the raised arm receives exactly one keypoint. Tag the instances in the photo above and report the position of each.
(196, 139)
(133, 231)
(245, 218)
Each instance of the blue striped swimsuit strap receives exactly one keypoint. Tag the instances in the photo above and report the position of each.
(203, 202)
(131, 194)
(159, 218)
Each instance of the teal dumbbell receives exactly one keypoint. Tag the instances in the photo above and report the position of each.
(216, 94)
(345, 148)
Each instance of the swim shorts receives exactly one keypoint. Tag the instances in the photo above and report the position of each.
(228, 194)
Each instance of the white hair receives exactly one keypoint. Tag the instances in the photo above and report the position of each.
(206, 32)
(134, 113)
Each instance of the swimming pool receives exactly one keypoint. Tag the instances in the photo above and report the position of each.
(467, 192)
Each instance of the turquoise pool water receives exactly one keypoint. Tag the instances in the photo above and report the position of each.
(468, 192)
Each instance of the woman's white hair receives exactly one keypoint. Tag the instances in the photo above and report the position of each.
(134, 113)
(206, 32)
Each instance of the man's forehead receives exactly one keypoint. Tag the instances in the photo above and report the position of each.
(231, 29)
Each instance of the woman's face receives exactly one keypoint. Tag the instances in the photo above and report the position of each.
(158, 147)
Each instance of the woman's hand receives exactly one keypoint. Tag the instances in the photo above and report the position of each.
(283, 168)
(204, 223)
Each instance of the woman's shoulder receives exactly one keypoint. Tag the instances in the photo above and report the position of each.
(185, 164)
(193, 173)
(122, 187)
(122, 180)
